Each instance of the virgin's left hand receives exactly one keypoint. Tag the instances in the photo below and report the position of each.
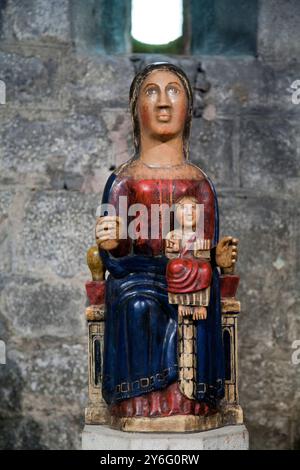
(227, 252)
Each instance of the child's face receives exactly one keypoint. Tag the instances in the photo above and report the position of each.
(187, 214)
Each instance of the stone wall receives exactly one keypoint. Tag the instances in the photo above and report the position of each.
(64, 128)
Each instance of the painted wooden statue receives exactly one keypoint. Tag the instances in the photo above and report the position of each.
(164, 358)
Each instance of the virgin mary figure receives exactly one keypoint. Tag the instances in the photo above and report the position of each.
(140, 362)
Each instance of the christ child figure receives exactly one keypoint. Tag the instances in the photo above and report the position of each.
(189, 271)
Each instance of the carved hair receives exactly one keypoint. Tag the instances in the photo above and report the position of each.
(193, 199)
(134, 94)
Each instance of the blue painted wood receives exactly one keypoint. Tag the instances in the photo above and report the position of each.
(140, 344)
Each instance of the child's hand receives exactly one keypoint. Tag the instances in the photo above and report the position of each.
(172, 245)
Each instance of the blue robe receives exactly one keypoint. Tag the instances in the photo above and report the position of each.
(140, 342)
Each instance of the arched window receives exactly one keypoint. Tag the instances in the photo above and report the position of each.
(157, 26)
(206, 27)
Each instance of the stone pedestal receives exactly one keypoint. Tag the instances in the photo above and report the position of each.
(96, 437)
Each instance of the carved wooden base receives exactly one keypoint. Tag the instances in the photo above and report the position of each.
(96, 415)
(229, 415)
(232, 414)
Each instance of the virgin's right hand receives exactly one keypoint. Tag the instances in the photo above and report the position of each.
(107, 230)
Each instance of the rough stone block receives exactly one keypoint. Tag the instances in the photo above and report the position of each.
(58, 229)
(189, 64)
(35, 308)
(43, 390)
(267, 252)
(32, 80)
(36, 20)
(98, 80)
(267, 327)
(6, 200)
(44, 376)
(273, 432)
(279, 78)
(237, 84)
(249, 85)
(20, 433)
(273, 427)
(268, 153)
(119, 135)
(271, 369)
(40, 432)
(278, 30)
(12, 384)
(211, 148)
(55, 152)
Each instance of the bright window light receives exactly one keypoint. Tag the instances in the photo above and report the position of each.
(156, 21)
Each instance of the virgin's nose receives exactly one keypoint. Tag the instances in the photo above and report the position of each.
(163, 100)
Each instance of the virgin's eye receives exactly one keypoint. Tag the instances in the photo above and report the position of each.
(150, 91)
(173, 90)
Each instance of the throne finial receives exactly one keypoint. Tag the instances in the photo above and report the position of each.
(95, 263)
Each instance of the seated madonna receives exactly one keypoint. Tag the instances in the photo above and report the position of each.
(141, 365)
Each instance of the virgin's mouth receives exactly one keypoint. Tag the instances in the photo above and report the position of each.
(164, 117)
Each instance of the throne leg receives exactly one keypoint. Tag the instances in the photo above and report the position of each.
(231, 410)
(96, 411)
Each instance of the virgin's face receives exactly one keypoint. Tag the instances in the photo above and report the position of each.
(162, 105)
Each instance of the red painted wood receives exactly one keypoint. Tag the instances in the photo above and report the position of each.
(229, 284)
(187, 275)
(160, 191)
(167, 402)
(96, 292)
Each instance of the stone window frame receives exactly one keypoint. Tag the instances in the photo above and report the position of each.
(227, 27)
